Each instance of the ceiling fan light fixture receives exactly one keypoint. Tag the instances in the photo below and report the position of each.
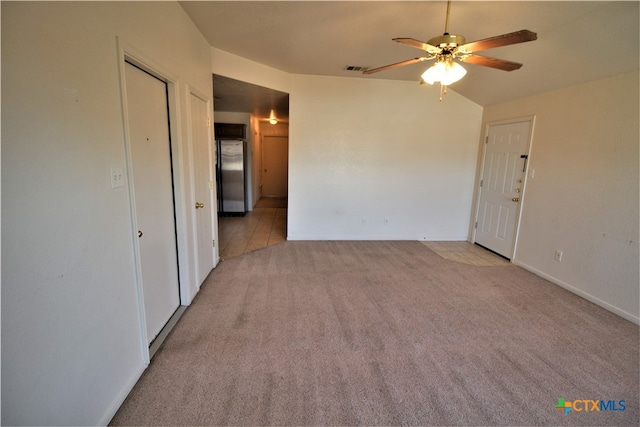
(445, 71)
(272, 118)
(447, 47)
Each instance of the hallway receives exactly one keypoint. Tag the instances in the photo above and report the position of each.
(266, 225)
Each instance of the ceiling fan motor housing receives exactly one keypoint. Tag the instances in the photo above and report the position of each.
(447, 41)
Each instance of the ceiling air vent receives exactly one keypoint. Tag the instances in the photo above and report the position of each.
(357, 68)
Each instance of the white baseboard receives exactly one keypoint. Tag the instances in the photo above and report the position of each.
(625, 315)
(122, 396)
(343, 237)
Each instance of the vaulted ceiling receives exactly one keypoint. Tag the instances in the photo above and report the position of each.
(578, 41)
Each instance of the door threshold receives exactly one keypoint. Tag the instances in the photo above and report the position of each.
(159, 339)
(493, 252)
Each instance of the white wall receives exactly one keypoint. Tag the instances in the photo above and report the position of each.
(375, 150)
(256, 166)
(279, 129)
(71, 343)
(584, 197)
(239, 68)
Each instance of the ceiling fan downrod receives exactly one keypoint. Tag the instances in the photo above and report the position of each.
(446, 21)
(446, 41)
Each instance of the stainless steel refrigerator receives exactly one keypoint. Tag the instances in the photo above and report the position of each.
(230, 173)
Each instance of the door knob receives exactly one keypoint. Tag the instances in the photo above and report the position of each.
(199, 205)
(515, 199)
(139, 233)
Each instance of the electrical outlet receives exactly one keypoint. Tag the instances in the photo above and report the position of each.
(558, 256)
(117, 177)
(364, 221)
(386, 221)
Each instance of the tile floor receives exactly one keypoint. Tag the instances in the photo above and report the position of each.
(262, 227)
(467, 253)
(266, 225)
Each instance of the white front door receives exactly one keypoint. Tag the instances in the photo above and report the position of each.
(501, 186)
(203, 186)
(153, 196)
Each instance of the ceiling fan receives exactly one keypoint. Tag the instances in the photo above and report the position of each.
(449, 47)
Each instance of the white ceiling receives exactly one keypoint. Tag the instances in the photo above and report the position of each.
(578, 41)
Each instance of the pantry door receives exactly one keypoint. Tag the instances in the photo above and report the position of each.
(202, 150)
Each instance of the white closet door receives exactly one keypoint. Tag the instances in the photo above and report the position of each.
(203, 186)
(153, 196)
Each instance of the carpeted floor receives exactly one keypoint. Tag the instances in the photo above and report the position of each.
(385, 333)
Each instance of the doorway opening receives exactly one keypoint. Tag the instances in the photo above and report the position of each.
(264, 220)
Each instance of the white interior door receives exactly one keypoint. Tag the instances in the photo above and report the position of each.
(153, 196)
(203, 186)
(502, 185)
(275, 164)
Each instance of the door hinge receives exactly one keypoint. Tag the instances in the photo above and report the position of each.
(481, 182)
(208, 122)
(486, 139)
(213, 243)
(476, 225)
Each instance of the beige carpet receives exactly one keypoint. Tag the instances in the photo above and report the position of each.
(384, 333)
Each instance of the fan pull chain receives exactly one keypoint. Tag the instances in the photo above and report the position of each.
(443, 91)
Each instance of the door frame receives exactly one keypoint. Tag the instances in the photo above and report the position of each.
(478, 189)
(128, 53)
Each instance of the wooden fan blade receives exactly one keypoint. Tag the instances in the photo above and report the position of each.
(417, 43)
(498, 41)
(486, 61)
(396, 65)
